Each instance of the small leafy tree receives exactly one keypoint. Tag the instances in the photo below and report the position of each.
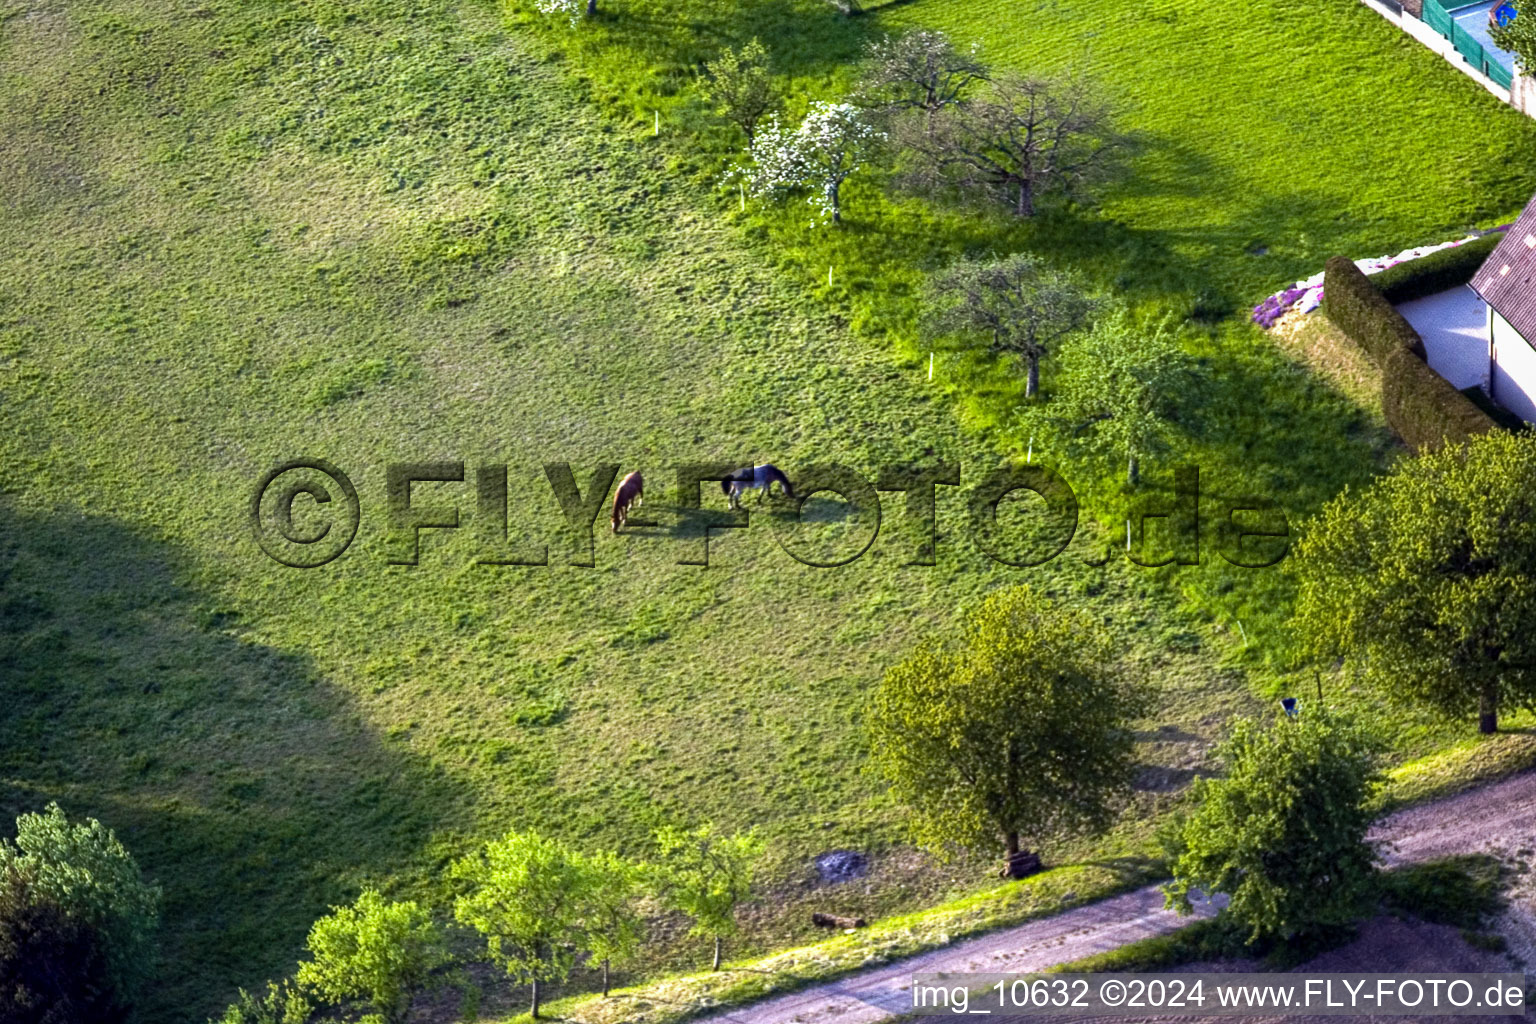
(527, 895)
(1283, 835)
(1425, 580)
(1023, 139)
(706, 875)
(1016, 305)
(1519, 37)
(740, 85)
(1120, 387)
(820, 155)
(922, 70)
(374, 950)
(87, 874)
(53, 965)
(283, 1004)
(610, 925)
(1016, 732)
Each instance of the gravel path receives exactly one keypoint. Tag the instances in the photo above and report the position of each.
(1501, 816)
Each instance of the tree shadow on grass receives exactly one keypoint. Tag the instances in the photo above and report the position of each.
(245, 784)
(806, 39)
(1219, 267)
(1128, 867)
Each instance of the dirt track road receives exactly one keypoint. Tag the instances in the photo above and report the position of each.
(1499, 816)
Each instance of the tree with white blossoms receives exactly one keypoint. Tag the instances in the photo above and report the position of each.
(570, 8)
(820, 154)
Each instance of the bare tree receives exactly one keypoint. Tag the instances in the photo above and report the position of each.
(740, 84)
(1025, 138)
(1018, 304)
(921, 70)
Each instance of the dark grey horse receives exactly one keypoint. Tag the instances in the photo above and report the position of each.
(755, 478)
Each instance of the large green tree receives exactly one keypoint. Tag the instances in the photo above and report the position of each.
(1425, 580)
(1119, 388)
(1017, 305)
(1018, 731)
(1519, 36)
(527, 894)
(1283, 834)
(86, 874)
(375, 950)
(706, 874)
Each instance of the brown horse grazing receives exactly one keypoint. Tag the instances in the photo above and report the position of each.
(631, 492)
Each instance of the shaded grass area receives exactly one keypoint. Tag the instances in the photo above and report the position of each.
(1461, 891)
(237, 773)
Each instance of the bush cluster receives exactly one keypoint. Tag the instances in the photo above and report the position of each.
(1420, 405)
(53, 966)
(76, 923)
(541, 907)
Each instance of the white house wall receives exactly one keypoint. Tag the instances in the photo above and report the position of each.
(1514, 369)
(1454, 326)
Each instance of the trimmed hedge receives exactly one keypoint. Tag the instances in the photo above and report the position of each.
(1355, 304)
(1437, 272)
(1420, 405)
(1424, 408)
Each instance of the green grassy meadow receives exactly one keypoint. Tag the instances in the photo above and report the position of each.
(420, 230)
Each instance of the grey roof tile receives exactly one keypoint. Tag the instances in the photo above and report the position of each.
(1507, 279)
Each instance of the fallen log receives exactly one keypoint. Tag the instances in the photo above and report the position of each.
(821, 920)
(1021, 864)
